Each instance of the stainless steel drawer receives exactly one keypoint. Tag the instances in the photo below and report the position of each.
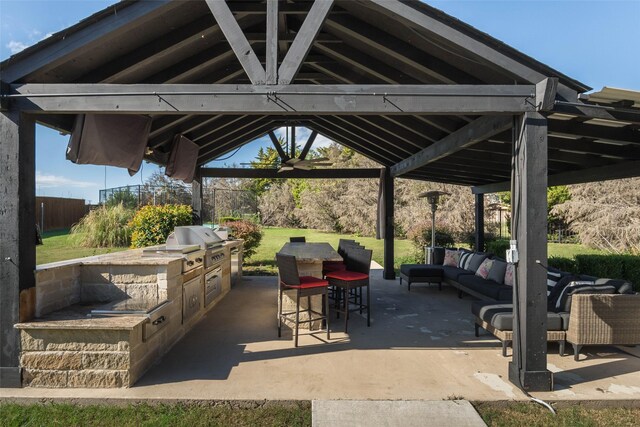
(191, 298)
(212, 285)
(157, 319)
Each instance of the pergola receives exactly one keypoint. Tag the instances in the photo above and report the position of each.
(423, 94)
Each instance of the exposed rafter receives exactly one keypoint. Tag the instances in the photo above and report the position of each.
(479, 130)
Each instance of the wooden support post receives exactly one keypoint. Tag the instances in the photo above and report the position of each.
(388, 272)
(196, 197)
(528, 369)
(17, 237)
(271, 62)
(480, 222)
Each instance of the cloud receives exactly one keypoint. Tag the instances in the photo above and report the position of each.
(51, 181)
(16, 46)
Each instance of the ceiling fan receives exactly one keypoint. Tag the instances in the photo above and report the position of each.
(288, 159)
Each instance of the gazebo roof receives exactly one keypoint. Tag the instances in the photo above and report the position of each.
(360, 43)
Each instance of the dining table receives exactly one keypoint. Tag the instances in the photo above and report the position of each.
(309, 259)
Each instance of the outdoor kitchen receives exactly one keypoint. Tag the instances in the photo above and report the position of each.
(102, 321)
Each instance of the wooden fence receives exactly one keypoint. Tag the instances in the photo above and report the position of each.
(59, 213)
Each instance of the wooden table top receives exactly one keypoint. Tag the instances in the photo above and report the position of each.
(311, 252)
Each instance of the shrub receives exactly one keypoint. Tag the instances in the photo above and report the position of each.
(106, 226)
(248, 231)
(224, 219)
(565, 264)
(498, 247)
(152, 224)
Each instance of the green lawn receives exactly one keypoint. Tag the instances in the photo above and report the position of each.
(286, 414)
(59, 246)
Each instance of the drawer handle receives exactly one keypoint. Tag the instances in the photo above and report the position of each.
(198, 259)
(158, 321)
(189, 263)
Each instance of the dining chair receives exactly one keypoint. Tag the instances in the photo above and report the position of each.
(355, 277)
(297, 239)
(304, 286)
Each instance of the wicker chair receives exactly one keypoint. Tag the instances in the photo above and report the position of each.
(304, 286)
(355, 277)
(604, 320)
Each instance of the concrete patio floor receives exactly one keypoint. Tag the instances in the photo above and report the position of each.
(420, 346)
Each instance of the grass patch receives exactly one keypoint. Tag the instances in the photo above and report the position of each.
(570, 250)
(532, 415)
(55, 414)
(59, 246)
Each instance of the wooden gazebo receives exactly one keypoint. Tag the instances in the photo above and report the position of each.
(423, 94)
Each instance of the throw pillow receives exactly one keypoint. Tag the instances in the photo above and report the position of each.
(581, 287)
(509, 274)
(497, 271)
(451, 258)
(465, 257)
(485, 268)
(553, 277)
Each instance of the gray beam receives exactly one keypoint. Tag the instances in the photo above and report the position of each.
(238, 41)
(528, 368)
(476, 131)
(196, 197)
(588, 130)
(388, 273)
(60, 47)
(296, 173)
(17, 238)
(235, 139)
(304, 39)
(274, 99)
(580, 109)
(278, 147)
(271, 63)
(479, 222)
(307, 146)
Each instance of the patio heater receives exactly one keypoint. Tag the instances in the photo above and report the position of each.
(433, 198)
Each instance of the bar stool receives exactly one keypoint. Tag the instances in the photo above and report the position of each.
(304, 286)
(355, 277)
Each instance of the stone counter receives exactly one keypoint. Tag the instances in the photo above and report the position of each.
(62, 347)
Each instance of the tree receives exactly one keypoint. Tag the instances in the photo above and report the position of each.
(606, 215)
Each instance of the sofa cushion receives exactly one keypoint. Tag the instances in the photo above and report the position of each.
(622, 286)
(505, 293)
(482, 286)
(476, 260)
(500, 316)
(485, 267)
(451, 258)
(497, 271)
(556, 291)
(453, 273)
(421, 271)
(581, 287)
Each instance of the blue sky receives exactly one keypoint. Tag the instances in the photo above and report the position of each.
(595, 42)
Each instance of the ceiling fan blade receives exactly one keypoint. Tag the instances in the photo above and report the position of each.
(322, 164)
(285, 168)
(303, 167)
(318, 159)
(293, 161)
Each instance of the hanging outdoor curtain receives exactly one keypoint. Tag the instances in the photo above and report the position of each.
(183, 159)
(110, 140)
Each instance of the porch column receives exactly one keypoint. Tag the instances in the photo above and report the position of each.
(17, 237)
(479, 222)
(388, 272)
(528, 368)
(196, 197)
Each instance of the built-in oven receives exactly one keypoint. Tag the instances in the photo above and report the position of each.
(212, 285)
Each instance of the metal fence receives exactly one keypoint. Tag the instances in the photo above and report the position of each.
(217, 202)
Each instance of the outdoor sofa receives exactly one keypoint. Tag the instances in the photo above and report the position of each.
(582, 310)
